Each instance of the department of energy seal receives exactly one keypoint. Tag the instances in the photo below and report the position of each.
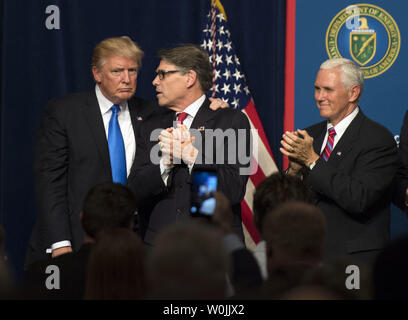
(366, 34)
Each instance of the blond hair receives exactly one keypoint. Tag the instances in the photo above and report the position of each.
(116, 46)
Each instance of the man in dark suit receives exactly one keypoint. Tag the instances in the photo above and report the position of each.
(183, 77)
(72, 151)
(349, 161)
(106, 206)
(400, 193)
(85, 139)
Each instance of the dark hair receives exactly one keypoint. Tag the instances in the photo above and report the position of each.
(298, 228)
(190, 57)
(115, 267)
(332, 274)
(108, 205)
(390, 271)
(188, 261)
(275, 190)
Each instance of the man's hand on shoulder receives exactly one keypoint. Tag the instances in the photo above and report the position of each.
(217, 103)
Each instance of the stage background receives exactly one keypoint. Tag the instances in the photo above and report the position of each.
(38, 64)
(385, 97)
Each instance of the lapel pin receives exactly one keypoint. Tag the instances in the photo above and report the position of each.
(201, 129)
(139, 118)
(339, 153)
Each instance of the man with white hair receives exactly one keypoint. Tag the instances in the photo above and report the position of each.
(349, 161)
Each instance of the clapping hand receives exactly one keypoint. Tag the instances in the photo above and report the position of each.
(176, 144)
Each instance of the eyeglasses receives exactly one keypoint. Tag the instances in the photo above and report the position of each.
(162, 73)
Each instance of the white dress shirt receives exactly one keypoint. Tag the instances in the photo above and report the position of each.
(125, 125)
(340, 128)
(191, 111)
(260, 256)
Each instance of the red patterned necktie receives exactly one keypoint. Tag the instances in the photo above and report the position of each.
(329, 146)
(181, 116)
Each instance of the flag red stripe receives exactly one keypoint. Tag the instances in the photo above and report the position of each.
(289, 114)
(253, 115)
(248, 221)
(259, 175)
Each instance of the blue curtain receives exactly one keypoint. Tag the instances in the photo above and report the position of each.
(38, 64)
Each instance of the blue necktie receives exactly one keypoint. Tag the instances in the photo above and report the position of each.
(116, 148)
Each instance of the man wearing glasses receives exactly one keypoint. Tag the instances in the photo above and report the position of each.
(85, 139)
(182, 79)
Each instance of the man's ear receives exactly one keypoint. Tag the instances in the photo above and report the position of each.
(354, 93)
(191, 78)
(81, 215)
(96, 74)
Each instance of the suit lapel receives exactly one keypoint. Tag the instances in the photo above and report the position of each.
(136, 117)
(139, 110)
(94, 119)
(319, 137)
(347, 140)
(202, 117)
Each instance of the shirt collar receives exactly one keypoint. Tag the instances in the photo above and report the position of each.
(343, 124)
(104, 103)
(192, 109)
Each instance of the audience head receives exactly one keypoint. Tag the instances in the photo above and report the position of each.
(390, 274)
(108, 205)
(310, 292)
(188, 262)
(223, 216)
(275, 190)
(294, 234)
(334, 275)
(116, 267)
(7, 281)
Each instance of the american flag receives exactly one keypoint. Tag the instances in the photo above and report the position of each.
(229, 84)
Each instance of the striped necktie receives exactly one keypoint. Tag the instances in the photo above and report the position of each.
(329, 146)
(181, 117)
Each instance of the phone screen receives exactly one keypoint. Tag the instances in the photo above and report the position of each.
(202, 196)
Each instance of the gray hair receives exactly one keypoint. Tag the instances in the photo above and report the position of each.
(351, 74)
(190, 57)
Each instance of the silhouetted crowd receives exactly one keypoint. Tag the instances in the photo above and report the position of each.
(205, 259)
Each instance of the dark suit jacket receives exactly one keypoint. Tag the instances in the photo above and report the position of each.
(354, 186)
(401, 178)
(246, 274)
(403, 145)
(72, 274)
(71, 157)
(159, 205)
